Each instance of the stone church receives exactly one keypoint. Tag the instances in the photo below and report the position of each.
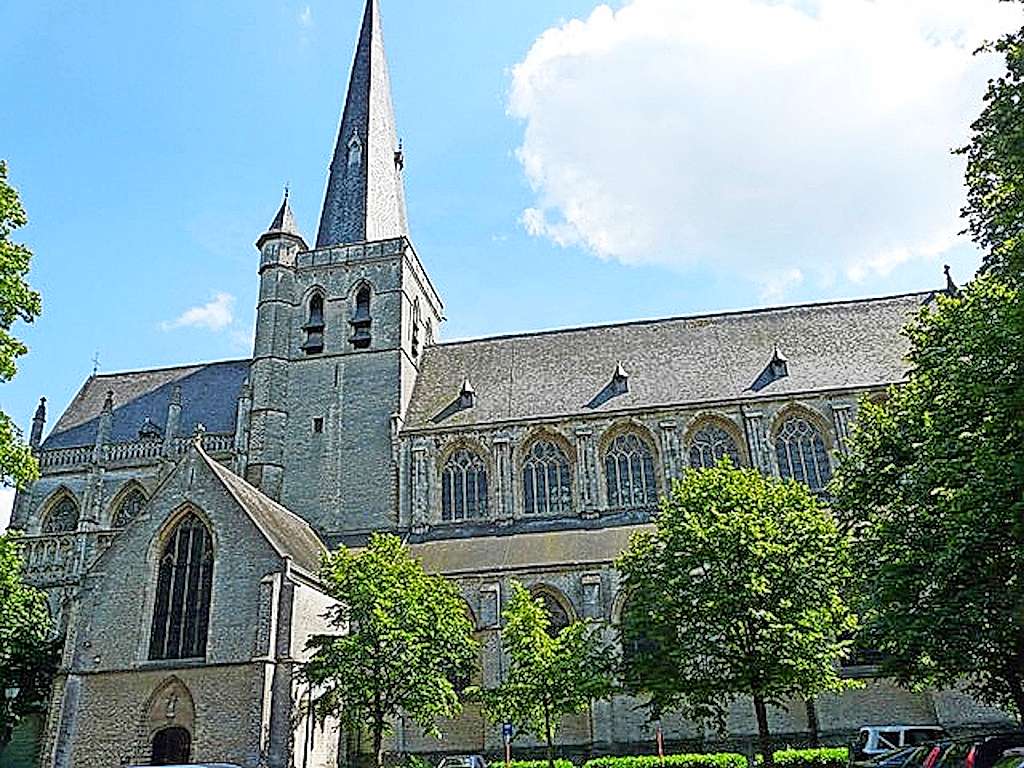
(182, 512)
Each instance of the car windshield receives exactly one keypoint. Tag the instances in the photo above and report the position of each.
(916, 736)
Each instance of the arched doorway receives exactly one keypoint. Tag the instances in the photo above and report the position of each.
(171, 746)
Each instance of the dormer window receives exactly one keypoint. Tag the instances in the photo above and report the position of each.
(779, 366)
(355, 150)
(314, 327)
(361, 320)
(620, 381)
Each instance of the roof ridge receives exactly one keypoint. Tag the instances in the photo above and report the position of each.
(676, 318)
(176, 367)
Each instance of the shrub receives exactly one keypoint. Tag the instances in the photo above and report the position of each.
(828, 757)
(538, 764)
(718, 760)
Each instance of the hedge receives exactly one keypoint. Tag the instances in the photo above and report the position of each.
(537, 764)
(718, 760)
(827, 757)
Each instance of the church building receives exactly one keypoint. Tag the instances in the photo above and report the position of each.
(182, 513)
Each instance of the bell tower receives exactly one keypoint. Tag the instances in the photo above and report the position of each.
(341, 328)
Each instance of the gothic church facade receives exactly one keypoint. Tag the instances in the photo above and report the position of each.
(182, 513)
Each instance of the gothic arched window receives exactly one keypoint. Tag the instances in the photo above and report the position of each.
(128, 508)
(417, 319)
(629, 471)
(709, 445)
(801, 453)
(361, 320)
(62, 517)
(547, 481)
(181, 611)
(463, 487)
(314, 327)
(558, 615)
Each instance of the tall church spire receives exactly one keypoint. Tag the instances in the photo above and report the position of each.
(365, 197)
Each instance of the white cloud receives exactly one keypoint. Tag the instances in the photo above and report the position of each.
(777, 139)
(306, 17)
(215, 315)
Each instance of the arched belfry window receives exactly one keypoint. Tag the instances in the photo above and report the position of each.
(709, 445)
(181, 611)
(802, 454)
(62, 517)
(361, 320)
(314, 327)
(464, 487)
(629, 472)
(128, 508)
(547, 481)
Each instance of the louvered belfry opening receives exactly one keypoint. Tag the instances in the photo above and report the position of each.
(181, 613)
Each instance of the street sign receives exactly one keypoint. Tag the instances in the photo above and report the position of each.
(506, 732)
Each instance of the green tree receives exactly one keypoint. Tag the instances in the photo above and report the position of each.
(27, 654)
(740, 590)
(550, 676)
(404, 642)
(934, 488)
(17, 302)
(995, 166)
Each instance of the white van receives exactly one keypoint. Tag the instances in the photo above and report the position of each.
(875, 740)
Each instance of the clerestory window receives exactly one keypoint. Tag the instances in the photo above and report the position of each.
(464, 488)
(129, 508)
(711, 444)
(629, 472)
(181, 611)
(62, 517)
(802, 455)
(547, 480)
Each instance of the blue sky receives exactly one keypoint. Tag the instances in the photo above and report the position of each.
(566, 163)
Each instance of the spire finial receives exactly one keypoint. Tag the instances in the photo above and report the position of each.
(952, 289)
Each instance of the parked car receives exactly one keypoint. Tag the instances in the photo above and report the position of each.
(875, 740)
(893, 759)
(462, 761)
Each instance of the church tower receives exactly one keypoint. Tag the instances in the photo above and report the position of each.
(341, 328)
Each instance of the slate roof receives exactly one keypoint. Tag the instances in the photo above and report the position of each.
(209, 394)
(289, 534)
(676, 361)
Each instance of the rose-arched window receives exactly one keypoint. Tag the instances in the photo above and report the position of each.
(801, 453)
(181, 611)
(464, 487)
(709, 445)
(62, 517)
(547, 480)
(128, 508)
(629, 472)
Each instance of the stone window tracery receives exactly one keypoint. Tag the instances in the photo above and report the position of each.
(62, 517)
(547, 480)
(709, 445)
(802, 454)
(464, 487)
(629, 473)
(128, 508)
(181, 611)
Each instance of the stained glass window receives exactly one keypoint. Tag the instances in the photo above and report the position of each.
(129, 508)
(802, 455)
(709, 445)
(464, 488)
(547, 481)
(62, 517)
(181, 612)
(629, 471)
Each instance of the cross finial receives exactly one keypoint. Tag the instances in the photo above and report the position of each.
(96, 363)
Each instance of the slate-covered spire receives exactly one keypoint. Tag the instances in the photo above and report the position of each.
(365, 197)
(283, 224)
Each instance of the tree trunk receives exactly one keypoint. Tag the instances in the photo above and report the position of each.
(764, 738)
(549, 738)
(812, 721)
(378, 742)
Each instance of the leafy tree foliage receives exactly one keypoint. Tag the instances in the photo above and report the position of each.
(17, 302)
(995, 166)
(934, 486)
(27, 654)
(550, 676)
(404, 642)
(740, 590)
